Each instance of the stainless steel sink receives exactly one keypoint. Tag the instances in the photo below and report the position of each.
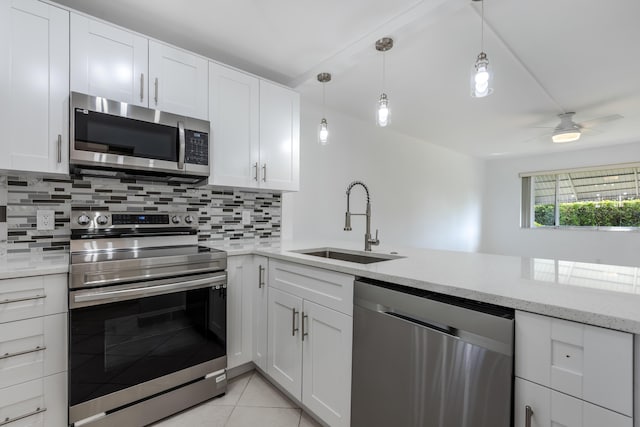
(348, 255)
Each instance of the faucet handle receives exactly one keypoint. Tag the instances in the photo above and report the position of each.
(376, 241)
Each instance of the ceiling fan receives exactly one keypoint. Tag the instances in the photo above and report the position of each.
(568, 130)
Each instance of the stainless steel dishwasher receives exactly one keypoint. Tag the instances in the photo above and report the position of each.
(422, 359)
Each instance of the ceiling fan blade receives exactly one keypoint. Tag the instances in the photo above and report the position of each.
(590, 131)
(600, 120)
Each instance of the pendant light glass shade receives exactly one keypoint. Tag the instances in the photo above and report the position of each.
(323, 129)
(383, 112)
(481, 77)
(482, 74)
(323, 132)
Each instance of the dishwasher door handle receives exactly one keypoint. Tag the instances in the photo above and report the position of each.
(437, 327)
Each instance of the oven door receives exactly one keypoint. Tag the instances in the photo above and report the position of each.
(130, 342)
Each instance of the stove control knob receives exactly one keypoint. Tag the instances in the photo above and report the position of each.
(84, 219)
(175, 219)
(102, 220)
(188, 219)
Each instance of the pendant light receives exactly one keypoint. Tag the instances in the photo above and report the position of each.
(323, 129)
(383, 113)
(481, 75)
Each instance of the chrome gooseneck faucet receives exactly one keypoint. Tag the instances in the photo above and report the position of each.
(368, 241)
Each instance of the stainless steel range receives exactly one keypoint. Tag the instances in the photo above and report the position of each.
(147, 318)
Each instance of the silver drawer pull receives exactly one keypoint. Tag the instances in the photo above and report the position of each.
(528, 413)
(20, 353)
(20, 417)
(9, 301)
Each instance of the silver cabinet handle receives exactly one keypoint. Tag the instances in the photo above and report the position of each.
(20, 353)
(255, 177)
(156, 91)
(181, 139)
(9, 301)
(304, 334)
(59, 148)
(141, 87)
(528, 413)
(264, 172)
(260, 276)
(20, 417)
(294, 312)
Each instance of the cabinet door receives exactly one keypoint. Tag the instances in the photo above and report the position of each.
(326, 361)
(109, 62)
(239, 321)
(284, 360)
(260, 307)
(551, 408)
(41, 402)
(279, 137)
(233, 112)
(584, 361)
(178, 81)
(34, 82)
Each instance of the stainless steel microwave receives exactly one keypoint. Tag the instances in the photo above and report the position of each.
(119, 139)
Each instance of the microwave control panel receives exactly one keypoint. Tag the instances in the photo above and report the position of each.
(196, 148)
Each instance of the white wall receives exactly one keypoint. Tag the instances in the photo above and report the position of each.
(501, 232)
(421, 194)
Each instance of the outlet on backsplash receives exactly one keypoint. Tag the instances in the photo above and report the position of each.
(45, 220)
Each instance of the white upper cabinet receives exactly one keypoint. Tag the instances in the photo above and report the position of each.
(108, 61)
(117, 64)
(279, 137)
(178, 81)
(34, 77)
(234, 115)
(256, 131)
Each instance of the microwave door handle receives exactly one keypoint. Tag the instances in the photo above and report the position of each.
(181, 140)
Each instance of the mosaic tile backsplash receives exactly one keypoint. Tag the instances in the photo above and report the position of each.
(219, 211)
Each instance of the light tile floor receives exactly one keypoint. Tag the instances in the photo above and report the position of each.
(250, 401)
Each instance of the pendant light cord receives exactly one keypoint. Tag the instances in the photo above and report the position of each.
(383, 70)
(323, 100)
(482, 27)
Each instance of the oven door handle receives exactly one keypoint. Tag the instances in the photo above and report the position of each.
(105, 296)
(121, 276)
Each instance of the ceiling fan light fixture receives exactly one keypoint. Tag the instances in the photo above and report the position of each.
(566, 135)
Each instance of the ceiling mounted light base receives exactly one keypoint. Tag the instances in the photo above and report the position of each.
(324, 77)
(384, 44)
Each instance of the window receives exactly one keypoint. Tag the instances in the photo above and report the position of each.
(606, 197)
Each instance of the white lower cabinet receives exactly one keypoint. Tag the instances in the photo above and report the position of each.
(33, 351)
(41, 402)
(571, 374)
(550, 408)
(309, 347)
(326, 363)
(240, 280)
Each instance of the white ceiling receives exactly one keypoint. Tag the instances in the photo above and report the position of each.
(549, 56)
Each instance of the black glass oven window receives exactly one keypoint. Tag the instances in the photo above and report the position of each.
(118, 345)
(104, 133)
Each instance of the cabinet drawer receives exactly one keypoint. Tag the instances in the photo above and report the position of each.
(324, 287)
(32, 348)
(587, 362)
(28, 297)
(42, 402)
(551, 408)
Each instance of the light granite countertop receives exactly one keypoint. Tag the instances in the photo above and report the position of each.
(596, 294)
(35, 264)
